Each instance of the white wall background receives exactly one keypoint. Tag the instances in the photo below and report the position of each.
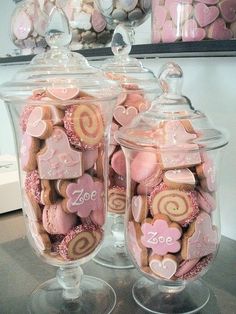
(209, 82)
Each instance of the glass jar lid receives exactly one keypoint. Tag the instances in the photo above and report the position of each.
(125, 69)
(171, 123)
(59, 67)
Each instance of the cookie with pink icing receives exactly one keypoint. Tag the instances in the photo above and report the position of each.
(218, 30)
(118, 163)
(178, 149)
(56, 115)
(63, 94)
(139, 207)
(169, 32)
(180, 12)
(58, 160)
(114, 128)
(39, 122)
(124, 115)
(204, 14)
(136, 248)
(206, 201)
(179, 205)
(28, 151)
(228, 10)
(24, 116)
(161, 235)
(207, 175)
(98, 21)
(182, 179)
(163, 266)
(84, 196)
(200, 239)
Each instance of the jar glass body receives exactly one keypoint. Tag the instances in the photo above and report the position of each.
(172, 227)
(63, 176)
(192, 21)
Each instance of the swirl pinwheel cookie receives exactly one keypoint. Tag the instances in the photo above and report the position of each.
(116, 200)
(179, 206)
(84, 126)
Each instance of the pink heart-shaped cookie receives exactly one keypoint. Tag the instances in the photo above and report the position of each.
(218, 30)
(62, 93)
(169, 32)
(205, 15)
(164, 268)
(180, 12)
(124, 115)
(191, 32)
(38, 124)
(228, 10)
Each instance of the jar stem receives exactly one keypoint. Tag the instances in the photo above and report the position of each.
(117, 230)
(172, 287)
(69, 278)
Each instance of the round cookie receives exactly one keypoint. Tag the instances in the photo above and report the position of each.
(116, 200)
(206, 201)
(84, 126)
(80, 242)
(118, 163)
(179, 206)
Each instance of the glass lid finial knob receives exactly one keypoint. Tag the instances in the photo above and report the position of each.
(58, 33)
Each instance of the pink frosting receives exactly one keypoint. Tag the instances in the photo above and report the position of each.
(26, 150)
(204, 239)
(25, 116)
(36, 125)
(56, 220)
(85, 196)
(89, 158)
(160, 237)
(186, 266)
(124, 115)
(59, 161)
(164, 268)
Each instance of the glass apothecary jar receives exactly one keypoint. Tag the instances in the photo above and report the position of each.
(89, 27)
(139, 87)
(28, 24)
(188, 20)
(61, 109)
(173, 222)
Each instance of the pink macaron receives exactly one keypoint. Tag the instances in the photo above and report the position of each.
(143, 166)
(56, 221)
(118, 163)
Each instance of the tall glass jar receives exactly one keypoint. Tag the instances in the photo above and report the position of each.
(173, 222)
(61, 109)
(139, 87)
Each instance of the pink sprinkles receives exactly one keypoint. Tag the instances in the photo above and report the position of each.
(33, 185)
(69, 128)
(25, 116)
(197, 269)
(63, 247)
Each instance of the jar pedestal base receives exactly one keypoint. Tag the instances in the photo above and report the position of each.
(155, 298)
(48, 298)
